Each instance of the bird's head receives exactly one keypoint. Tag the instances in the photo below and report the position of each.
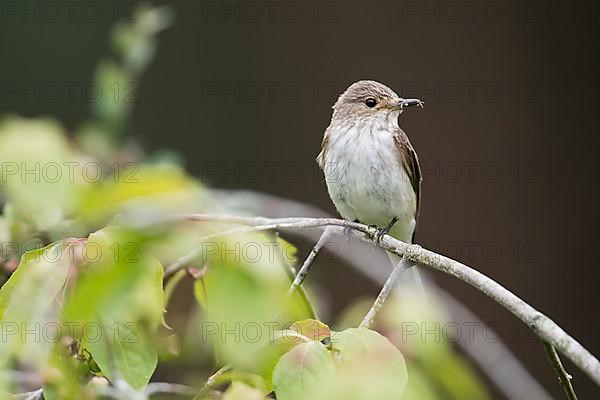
(370, 100)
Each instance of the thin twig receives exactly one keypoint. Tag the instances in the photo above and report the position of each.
(312, 313)
(301, 275)
(385, 292)
(120, 391)
(541, 325)
(35, 395)
(210, 382)
(170, 388)
(563, 377)
(185, 260)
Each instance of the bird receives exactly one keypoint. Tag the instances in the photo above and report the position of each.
(371, 169)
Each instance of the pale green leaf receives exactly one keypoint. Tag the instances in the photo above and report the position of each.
(369, 367)
(124, 351)
(311, 328)
(119, 298)
(139, 190)
(30, 303)
(41, 172)
(241, 391)
(303, 371)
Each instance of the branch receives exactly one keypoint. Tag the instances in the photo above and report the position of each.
(185, 260)
(385, 292)
(301, 275)
(541, 325)
(563, 377)
(495, 360)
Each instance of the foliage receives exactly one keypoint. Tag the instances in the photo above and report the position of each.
(86, 308)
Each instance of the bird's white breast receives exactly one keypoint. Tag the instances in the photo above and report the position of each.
(366, 179)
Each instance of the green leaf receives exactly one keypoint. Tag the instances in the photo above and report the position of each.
(242, 292)
(124, 351)
(5, 385)
(120, 279)
(297, 333)
(421, 387)
(41, 170)
(312, 329)
(303, 371)
(119, 300)
(200, 292)
(65, 376)
(30, 302)
(239, 312)
(301, 306)
(267, 358)
(117, 87)
(172, 284)
(140, 191)
(454, 376)
(418, 329)
(369, 367)
(241, 391)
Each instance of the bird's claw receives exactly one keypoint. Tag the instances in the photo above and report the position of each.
(381, 233)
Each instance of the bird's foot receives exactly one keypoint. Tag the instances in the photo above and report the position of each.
(375, 233)
(381, 232)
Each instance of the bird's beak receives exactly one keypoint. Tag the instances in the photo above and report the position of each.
(403, 103)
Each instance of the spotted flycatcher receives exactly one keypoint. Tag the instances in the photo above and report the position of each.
(371, 169)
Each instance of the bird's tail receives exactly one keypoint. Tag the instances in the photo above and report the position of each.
(409, 281)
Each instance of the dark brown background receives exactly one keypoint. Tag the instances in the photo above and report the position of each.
(532, 117)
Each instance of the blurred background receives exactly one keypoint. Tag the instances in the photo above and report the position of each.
(242, 91)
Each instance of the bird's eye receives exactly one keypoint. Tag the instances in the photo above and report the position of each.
(371, 102)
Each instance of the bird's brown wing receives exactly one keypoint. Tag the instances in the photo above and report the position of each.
(324, 147)
(410, 161)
